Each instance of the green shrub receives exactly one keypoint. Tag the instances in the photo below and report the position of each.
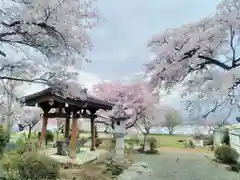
(26, 146)
(49, 136)
(132, 140)
(9, 164)
(36, 166)
(152, 142)
(4, 139)
(10, 175)
(10, 161)
(11, 146)
(20, 142)
(113, 167)
(226, 154)
(189, 143)
(226, 137)
(208, 141)
(86, 177)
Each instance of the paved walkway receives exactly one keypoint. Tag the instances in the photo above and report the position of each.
(185, 165)
(183, 149)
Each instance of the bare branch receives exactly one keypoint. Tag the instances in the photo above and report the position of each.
(214, 62)
(143, 132)
(216, 106)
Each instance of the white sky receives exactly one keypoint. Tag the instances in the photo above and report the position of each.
(120, 43)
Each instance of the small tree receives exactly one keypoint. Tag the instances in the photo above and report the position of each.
(172, 119)
(150, 118)
(60, 128)
(29, 117)
(135, 98)
(9, 114)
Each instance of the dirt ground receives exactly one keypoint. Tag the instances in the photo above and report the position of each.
(96, 169)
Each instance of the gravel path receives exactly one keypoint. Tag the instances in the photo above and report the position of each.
(174, 165)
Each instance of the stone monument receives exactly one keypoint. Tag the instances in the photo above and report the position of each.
(119, 118)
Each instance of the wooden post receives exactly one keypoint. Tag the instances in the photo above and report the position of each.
(44, 130)
(74, 136)
(93, 140)
(67, 123)
(67, 127)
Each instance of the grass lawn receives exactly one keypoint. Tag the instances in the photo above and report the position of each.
(162, 139)
(170, 140)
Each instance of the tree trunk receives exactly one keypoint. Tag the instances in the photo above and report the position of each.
(170, 131)
(144, 141)
(9, 106)
(113, 142)
(29, 132)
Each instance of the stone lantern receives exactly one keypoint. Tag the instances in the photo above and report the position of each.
(119, 118)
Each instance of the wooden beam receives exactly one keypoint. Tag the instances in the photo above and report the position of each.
(60, 115)
(35, 100)
(77, 104)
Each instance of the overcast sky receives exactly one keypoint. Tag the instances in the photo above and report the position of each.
(120, 42)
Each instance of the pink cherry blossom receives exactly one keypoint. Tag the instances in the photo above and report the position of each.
(69, 88)
(132, 98)
(201, 55)
(40, 38)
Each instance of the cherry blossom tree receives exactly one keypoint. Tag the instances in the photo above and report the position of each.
(217, 119)
(135, 98)
(204, 54)
(152, 117)
(46, 35)
(9, 93)
(39, 40)
(28, 118)
(24, 117)
(202, 109)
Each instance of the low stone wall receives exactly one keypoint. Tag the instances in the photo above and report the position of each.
(234, 136)
(137, 171)
(217, 137)
(235, 141)
(198, 142)
(85, 156)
